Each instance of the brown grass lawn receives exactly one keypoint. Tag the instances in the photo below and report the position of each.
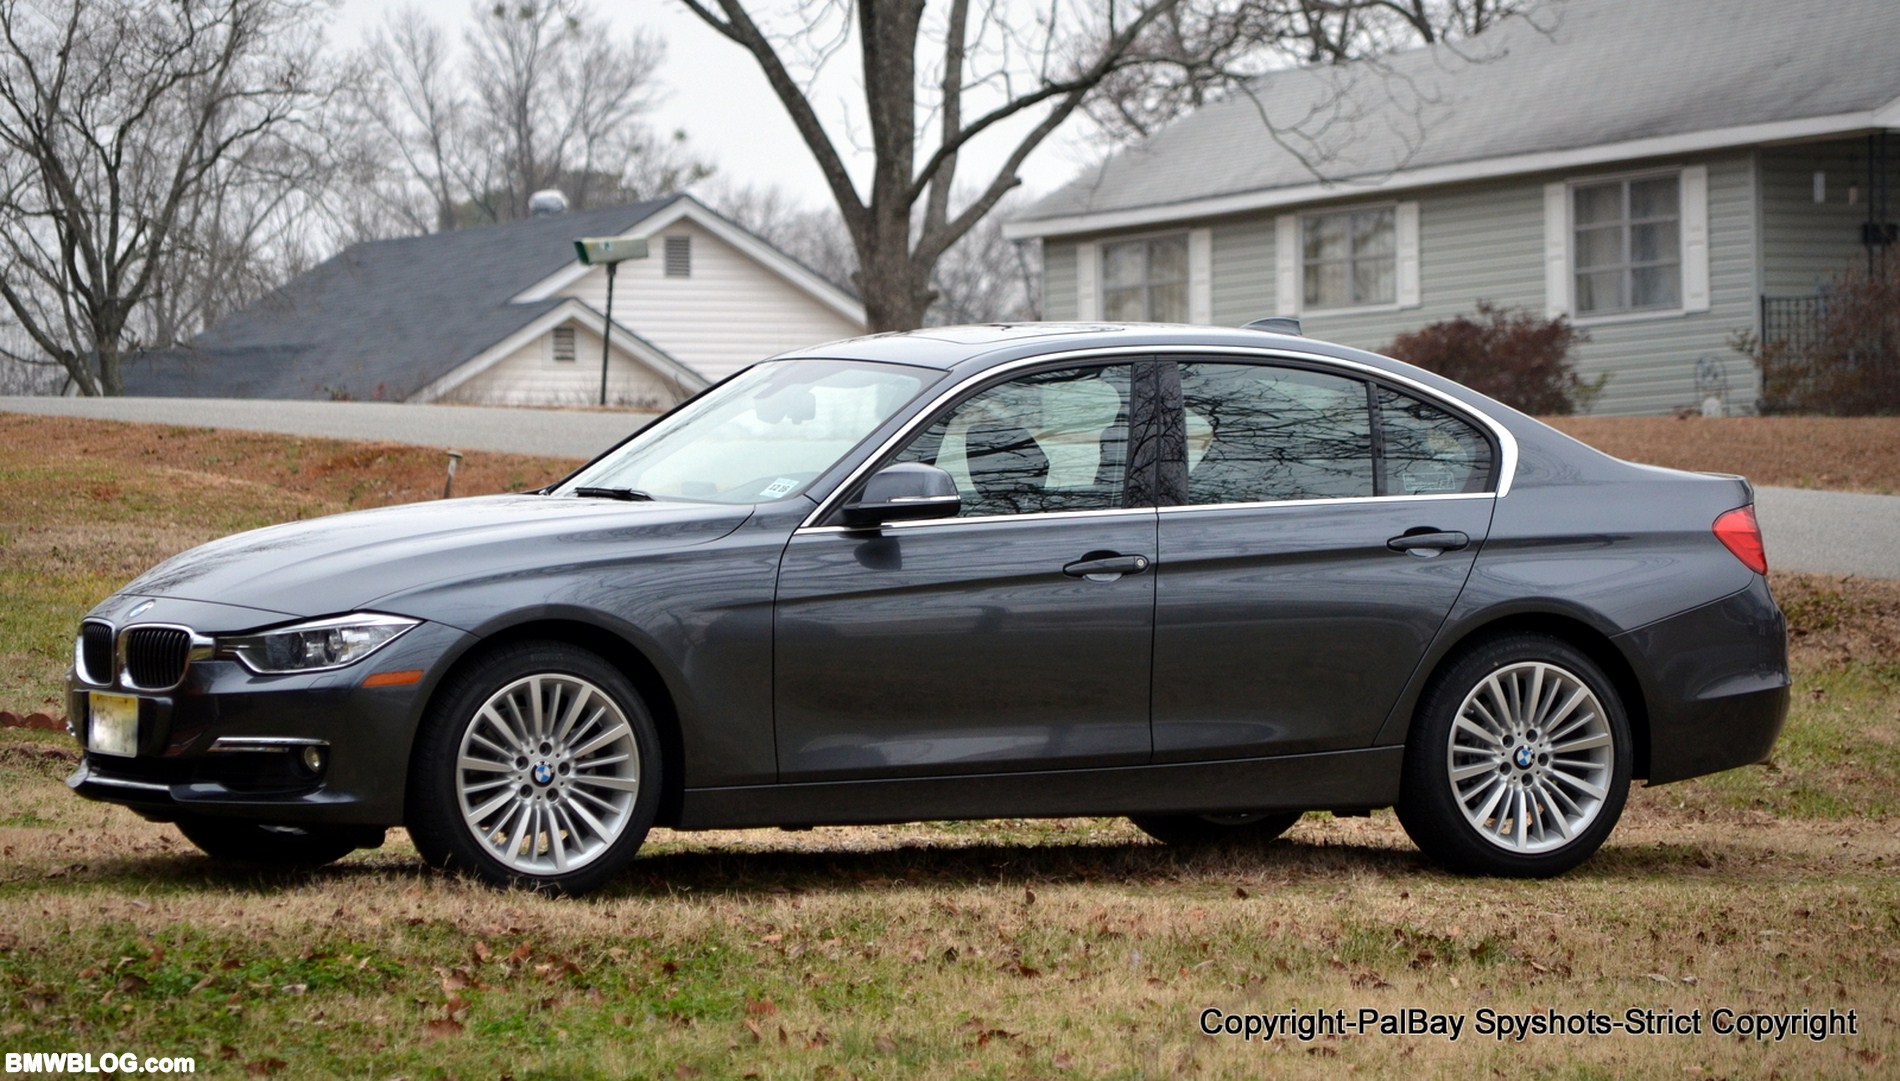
(1860, 454)
(1072, 948)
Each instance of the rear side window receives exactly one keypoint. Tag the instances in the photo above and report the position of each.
(1428, 451)
(1258, 433)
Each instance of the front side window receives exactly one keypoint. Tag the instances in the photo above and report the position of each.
(1258, 433)
(1350, 258)
(1628, 244)
(1146, 281)
(762, 435)
(1039, 443)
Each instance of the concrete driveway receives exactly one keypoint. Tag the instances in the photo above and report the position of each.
(1824, 532)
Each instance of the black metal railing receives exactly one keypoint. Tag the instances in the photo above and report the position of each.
(1794, 322)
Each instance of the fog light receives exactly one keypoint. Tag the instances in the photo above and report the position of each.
(313, 759)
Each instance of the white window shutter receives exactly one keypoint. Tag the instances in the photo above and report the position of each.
(1408, 285)
(1556, 249)
(1201, 276)
(1088, 296)
(1286, 258)
(1695, 238)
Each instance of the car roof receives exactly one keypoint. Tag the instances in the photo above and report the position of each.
(970, 350)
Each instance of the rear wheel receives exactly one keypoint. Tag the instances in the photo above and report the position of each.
(539, 766)
(1253, 827)
(264, 845)
(1518, 761)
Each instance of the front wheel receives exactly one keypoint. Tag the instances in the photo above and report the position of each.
(538, 766)
(1518, 761)
(1256, 827)
(261, 844)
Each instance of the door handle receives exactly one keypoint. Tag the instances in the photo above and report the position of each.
(1426, 542)
(1105, 568)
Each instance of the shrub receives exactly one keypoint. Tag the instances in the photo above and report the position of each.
(1514, 355)
(1849, 361)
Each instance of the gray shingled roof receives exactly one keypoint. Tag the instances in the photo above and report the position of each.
(382, 319)
(1578, 73)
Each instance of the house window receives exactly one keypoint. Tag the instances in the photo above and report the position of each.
(1146, 281)
(1350, 258)
(1627, 244)
(679, 257)
(563, 345)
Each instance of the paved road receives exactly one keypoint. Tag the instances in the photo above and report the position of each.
(1828, 532)
(559, 432)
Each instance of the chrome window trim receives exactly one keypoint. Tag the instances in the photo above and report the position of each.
(1036, 516)
(1349, 500)
(1130, 354)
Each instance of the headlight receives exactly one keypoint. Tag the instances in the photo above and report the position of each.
(316, 645)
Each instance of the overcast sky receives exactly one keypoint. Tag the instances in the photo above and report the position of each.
(715, 93)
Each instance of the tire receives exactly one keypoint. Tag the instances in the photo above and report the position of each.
(233, 840)
(1518, 761)
(537, 765)
(1212, 829)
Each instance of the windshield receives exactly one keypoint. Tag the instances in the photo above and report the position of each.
(762, 436)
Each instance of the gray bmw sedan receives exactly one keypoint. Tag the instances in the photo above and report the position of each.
(1208, 579)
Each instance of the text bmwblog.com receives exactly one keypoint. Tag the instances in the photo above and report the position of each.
(85, 1062)
(1309, 1025)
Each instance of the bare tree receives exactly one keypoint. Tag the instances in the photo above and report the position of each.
(1015, 73)
(1200, 49)
(121, 121)
(540, 96)
(815, 237)
(987, 278)
(984, 277)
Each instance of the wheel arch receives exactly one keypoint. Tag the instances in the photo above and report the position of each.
(623, 655)
(1573, 629)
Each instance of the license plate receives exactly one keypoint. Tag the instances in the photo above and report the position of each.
(115, 725)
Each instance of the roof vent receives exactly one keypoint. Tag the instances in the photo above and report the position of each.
(547, 203)
(1276, 324)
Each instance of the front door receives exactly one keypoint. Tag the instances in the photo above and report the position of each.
(991, 641)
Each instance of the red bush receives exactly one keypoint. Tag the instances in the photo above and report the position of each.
(1514, 355)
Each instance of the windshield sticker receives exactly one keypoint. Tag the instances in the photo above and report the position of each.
(779, 487)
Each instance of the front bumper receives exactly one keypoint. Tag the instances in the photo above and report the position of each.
(227, 742)
(1715, 680)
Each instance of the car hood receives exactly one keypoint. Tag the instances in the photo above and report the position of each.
(336, 564)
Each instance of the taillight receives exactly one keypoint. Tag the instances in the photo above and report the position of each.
(1741, 534)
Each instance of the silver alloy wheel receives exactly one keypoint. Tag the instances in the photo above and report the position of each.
(547, 774)
(1530, 758)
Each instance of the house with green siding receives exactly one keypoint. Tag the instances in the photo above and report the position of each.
(1664, 173)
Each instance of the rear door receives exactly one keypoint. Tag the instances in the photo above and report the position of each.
(1323, 527)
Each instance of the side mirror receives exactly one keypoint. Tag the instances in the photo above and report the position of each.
(905, 492)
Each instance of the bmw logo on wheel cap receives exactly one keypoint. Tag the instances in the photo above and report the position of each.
(1523, 758)
(543, 773)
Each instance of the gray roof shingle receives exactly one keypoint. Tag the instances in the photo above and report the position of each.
(1578, 73)
(382, 319)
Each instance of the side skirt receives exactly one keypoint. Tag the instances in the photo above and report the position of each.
(1336, 779)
